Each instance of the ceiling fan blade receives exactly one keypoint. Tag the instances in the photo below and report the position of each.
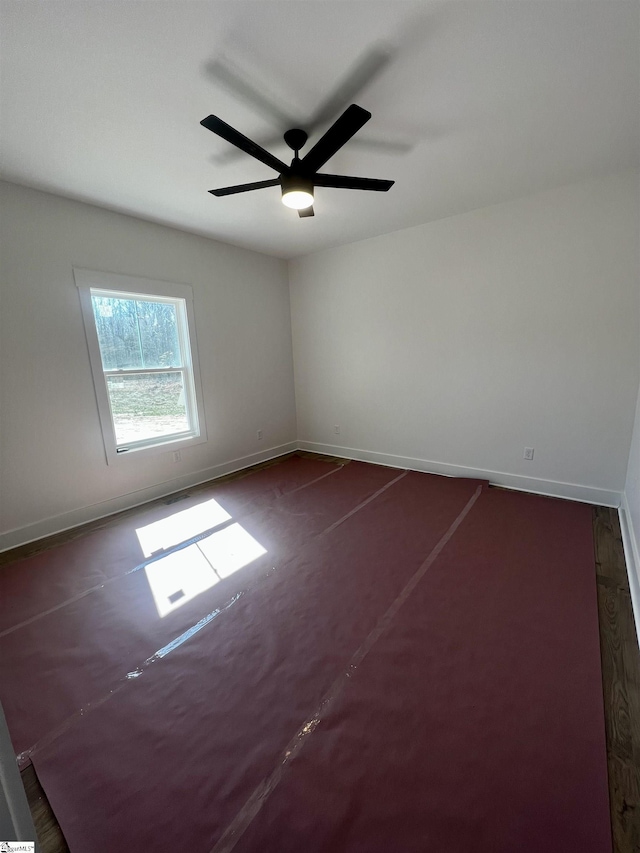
(346, 182)
(221, 128)
(340, 132)
(307, 211)
(229, 155)
(245, 188)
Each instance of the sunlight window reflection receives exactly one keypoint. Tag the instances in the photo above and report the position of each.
(181, 526)
(182, 575)
(230, 549)
(179, 577)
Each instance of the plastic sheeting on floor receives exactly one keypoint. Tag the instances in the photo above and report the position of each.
(404, 662)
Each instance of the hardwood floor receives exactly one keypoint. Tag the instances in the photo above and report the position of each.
(50, 837)
(620, 681)
(621, 688)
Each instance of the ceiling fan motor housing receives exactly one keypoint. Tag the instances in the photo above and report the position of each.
(293, 182)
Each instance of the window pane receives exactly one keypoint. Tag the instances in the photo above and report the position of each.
(158, 329)
(117, 326)
(136, 333)
(147, 406)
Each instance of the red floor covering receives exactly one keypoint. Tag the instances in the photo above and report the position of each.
(412, 665)
(75, 654)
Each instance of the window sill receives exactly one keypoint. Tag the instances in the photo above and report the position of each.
(115, 457)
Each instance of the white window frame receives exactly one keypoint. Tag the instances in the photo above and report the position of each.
(130, 287)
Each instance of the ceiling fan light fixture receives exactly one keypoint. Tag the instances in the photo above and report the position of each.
(297, 192)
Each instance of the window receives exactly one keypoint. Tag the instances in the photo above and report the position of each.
(141, 339)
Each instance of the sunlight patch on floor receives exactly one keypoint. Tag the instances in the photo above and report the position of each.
(230, 549)
(182, 575)
(180, 527)
(179, 577)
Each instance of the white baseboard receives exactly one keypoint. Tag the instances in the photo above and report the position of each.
(632, 558)
(66, 521)
(550, 488)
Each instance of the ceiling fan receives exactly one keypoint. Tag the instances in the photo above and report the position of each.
(298, 180)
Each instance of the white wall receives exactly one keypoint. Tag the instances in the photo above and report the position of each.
(630, 513)
(630, 517)
(53, 472)
(453, 345)
(632, 487)
(449, 346)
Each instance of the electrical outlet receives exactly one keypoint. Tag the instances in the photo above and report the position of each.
(528, 453)
(176, 455)
(336, 429)
(259, 434)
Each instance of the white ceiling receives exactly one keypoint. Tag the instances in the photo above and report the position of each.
(478, 102)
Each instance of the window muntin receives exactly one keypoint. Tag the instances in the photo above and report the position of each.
(143, 361)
